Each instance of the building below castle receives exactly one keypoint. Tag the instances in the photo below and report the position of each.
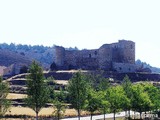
(119, 56)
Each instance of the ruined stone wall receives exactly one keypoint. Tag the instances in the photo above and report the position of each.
(123, 67)
(70, 59)
(110, 57)
(84, 59)
(87, 59)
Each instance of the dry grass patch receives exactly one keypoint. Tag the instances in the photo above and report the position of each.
(44, 112)
(16, 96)
(61, 82)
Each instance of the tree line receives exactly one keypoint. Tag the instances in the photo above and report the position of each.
(92, 93)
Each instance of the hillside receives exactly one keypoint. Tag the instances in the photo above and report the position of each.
(11, 53)
(9, 57)
(146, 66)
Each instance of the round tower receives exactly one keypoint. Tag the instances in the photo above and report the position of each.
(59, 56)
(127, 51)
(105, 57)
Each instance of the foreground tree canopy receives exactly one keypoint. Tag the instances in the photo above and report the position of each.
(37, 91)
(77, 89)
(91, 93)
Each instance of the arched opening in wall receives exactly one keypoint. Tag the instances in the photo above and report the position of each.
(131, 46)
(90, 56)
(129, 69)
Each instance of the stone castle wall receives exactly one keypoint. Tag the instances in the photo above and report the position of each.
(118, 56)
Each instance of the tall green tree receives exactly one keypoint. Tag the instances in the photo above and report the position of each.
(127, 86)
(37, 89)
(77, 90)
(4, 103)
(59, 105)
(140, 99)
(97, 81)
(116, 97)
(93, 101)
(153, 93)
(104, 104)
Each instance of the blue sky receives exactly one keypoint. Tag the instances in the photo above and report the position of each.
(83, 23)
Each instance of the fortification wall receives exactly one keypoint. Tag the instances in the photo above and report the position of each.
(110, 57)
(87, 59)
(84, 59)
(70, 59)
(123, 67)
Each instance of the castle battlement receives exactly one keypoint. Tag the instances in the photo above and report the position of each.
(118, 57)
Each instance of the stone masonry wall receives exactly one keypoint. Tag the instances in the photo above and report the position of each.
(109, 57)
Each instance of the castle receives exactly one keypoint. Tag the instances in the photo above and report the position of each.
(119, 57)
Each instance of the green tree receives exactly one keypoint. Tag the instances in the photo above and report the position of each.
(97, 81)
(59, 105)
(116, 97)
(37, 89)
(127, 86)
(104, 104)
(154, 96)
(93, 101)
(4, 103)
(140, 99)
(77, 90)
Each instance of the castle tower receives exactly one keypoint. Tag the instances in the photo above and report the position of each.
(127, 51)
(59, 56)
(105, 57)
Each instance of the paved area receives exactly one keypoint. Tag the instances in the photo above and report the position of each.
(97, 117)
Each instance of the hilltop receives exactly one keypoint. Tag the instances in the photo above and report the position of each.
(8, 57)
(12, 53)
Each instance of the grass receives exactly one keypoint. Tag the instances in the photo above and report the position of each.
(12, 96)
(44, 112)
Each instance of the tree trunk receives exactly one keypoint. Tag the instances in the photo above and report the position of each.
(114, 115)
(58, 115)
(140, 115)
(104, 116)
(129, 112)
(91, 116)
(79, 114)
(36, 115)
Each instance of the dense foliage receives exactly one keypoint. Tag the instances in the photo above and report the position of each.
(4, 103)
(37, 90)
(93, 94)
